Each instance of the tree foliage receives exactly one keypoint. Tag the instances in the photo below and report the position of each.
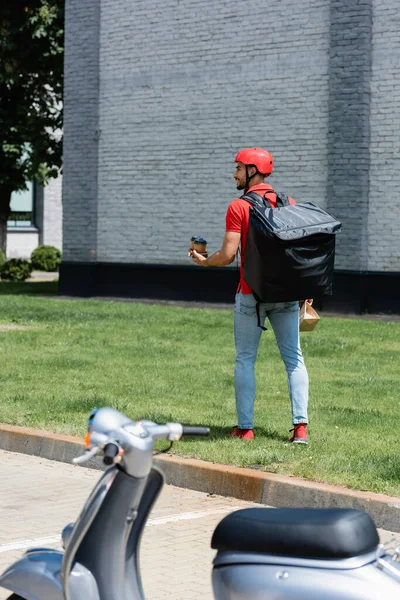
(31, 88)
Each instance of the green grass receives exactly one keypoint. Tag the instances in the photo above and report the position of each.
(28, 288)
(176, 364)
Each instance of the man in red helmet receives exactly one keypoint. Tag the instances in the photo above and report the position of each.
(253, 165)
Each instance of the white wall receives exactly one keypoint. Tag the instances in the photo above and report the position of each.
(20, 244)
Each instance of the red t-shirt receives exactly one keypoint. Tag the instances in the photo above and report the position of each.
(237, 220)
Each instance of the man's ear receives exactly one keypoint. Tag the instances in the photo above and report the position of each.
(252, 170)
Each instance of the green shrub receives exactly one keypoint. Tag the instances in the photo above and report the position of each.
(2, 258)
(16, 269)
(46, 258)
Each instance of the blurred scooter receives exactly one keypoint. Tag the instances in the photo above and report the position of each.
(262, 553)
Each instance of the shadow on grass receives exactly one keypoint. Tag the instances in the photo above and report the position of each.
(29, 288)
(218, 432)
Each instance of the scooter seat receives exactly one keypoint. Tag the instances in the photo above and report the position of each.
(307, 532)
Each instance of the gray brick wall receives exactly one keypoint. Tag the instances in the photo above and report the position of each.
(348, 136)
(183, 86)
(52, 213)
(160, 95)
(384, 205)
(80, 150)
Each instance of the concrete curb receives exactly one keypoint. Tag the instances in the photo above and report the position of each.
(223, 480)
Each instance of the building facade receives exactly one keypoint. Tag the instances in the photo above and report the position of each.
(159, 96)
(35, 219)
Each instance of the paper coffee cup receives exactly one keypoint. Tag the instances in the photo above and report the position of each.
(200, 245)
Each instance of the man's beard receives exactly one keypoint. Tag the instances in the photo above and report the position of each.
(240, 186)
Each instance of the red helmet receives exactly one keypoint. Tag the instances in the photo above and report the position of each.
(258, 157)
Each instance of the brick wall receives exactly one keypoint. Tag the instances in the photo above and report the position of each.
(384, 205)
(160, 95)
(183, 86)
(52, 213)
(80, 146)
(349, 132)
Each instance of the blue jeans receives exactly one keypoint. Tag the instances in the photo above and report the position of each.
(284, 319)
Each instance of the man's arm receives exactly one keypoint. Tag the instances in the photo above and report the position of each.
(222, 257)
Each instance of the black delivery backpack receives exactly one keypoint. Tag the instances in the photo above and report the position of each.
(290, 250)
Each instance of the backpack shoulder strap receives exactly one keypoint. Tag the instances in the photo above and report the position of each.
(253, 198)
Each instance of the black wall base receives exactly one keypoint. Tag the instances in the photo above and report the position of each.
(353, 292)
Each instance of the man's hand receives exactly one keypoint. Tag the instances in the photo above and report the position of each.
(222, 257)
(309, 300)
(199, 259)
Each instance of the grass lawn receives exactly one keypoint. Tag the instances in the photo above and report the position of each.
(176, 364)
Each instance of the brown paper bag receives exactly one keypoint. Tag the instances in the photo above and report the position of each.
(308, 317)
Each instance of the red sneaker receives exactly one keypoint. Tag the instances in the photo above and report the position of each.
(243, 434)
(246, 434)
(235, 432)
(299, 434)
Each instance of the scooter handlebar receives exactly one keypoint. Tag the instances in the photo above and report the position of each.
(110, 452)
(199, 431)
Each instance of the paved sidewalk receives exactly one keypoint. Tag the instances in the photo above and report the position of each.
(43, 276)
(38, 497)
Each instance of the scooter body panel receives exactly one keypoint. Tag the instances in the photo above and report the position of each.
(88, 514)
(37, 576)
(265, 577)
(133, 585)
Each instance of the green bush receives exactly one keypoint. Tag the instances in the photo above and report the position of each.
(46, 258)
(16, 269)
(2, 258)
